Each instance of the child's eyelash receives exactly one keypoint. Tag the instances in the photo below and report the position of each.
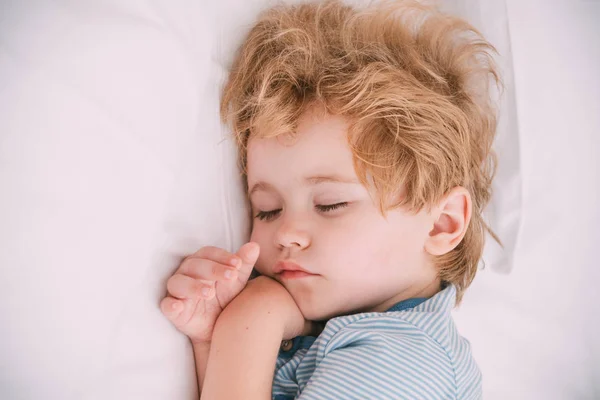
(269, 215)
(331, 207)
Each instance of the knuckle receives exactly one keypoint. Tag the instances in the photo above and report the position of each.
(171, 283)
(214, 253)
(215, 269)
(185, 265)
(164, 307)
(191, 266)
(207, 251)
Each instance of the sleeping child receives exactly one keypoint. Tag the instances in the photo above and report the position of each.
(364, 136)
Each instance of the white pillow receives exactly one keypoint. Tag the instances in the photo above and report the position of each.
(535, 332)
(113, 167)
(504, 211)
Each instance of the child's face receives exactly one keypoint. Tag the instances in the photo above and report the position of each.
(360, 260)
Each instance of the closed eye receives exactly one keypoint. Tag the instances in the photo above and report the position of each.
(331, 207)
(269, 215)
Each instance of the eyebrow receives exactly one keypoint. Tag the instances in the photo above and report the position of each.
(311, 180)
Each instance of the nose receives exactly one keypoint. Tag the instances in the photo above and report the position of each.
(291, 234)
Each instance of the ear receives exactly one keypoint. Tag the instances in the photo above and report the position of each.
(451, 220)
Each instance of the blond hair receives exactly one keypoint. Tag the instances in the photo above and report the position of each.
(413, 82)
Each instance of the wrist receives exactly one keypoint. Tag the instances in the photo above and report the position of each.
(201, 354)
(200, 344)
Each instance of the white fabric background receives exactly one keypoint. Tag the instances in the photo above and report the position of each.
(113, 167)
(535, 332)
(111, 171)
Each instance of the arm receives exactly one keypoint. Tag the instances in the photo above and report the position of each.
(201, 288)
(201, 351)
(246, 341)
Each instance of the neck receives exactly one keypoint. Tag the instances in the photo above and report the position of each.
(426, 290)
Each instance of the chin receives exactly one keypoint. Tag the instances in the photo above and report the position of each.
(313, 312)
(312, 306)
(309, 310)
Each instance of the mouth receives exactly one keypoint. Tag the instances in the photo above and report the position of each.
(289, 270)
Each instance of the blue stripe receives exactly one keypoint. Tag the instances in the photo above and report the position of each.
(411, 351)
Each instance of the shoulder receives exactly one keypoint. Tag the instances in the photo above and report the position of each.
(429, 321)
(416, 352)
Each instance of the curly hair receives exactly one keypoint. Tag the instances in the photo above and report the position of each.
(414, 84)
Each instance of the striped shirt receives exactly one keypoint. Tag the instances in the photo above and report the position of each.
(412, 351)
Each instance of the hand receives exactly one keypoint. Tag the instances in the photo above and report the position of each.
(203, 285)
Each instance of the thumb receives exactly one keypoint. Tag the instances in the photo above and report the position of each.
(249, 254)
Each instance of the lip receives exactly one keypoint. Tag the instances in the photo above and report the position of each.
(290, 270)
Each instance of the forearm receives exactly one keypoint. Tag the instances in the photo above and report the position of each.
(244, 347)
(201, 353)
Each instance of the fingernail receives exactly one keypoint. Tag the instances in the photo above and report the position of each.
(205, 292)
(229, 274)
(236, 262)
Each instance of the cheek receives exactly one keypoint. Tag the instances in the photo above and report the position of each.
(406, 241)
(356, 247)
(373, 244)
(266, 257)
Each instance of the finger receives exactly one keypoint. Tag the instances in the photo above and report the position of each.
(249, 255)
(171, 308)
(185, 287)
(202, 268)
(179, 312)
(218, 255)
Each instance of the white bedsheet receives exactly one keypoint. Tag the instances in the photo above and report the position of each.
(536, 331)
(112, 168)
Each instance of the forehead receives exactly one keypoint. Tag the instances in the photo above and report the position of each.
(319, 147)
